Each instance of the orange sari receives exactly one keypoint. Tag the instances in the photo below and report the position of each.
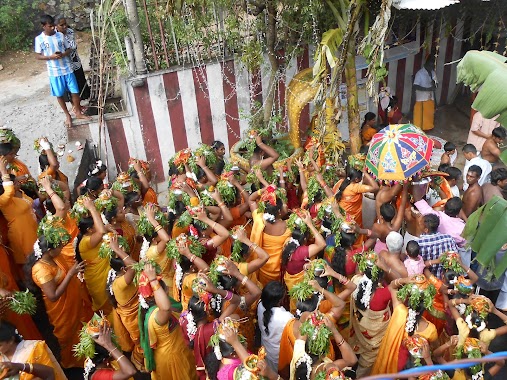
(68, 313)
(387, 358)
(68, 251)
(58, 175)
(352, 199)
(22, 223)
(166, 267)
(273, 245)
(126, 326)
(150, 197)
(18, 168)
(23, 322)
(129, 233)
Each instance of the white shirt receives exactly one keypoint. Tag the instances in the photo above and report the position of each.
(49, 45)
(455, 191)
(271, 342)
(483, 164)
(423, 79)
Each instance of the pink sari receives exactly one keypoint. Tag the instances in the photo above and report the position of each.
(226, 372)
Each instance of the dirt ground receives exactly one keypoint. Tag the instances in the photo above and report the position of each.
(26, 105)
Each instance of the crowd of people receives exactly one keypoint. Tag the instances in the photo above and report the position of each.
(269, 274)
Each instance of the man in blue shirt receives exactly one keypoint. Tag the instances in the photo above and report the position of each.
(52, 47)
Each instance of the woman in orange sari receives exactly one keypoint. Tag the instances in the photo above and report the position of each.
(49, 164)
(125, 300)
(17, 209)
(66, 304)
(405, 322)
(26, 359)
(91, 231)
(269, 231)
(349, 192)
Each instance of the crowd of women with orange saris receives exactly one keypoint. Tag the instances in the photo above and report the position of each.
(261, 275)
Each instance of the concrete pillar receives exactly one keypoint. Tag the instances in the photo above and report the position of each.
(135, 36)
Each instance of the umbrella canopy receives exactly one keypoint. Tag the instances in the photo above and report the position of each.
(398, 153)
(426, 4)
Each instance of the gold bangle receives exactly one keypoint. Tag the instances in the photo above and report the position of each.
(214, 225)
(122, 356)
(126, 257)
(158, 228)
(253, 247)
(341, 342)
(30, 369)
(155, 287)
(244, 280)
(259, 192)
(221, 204)
(192, 258)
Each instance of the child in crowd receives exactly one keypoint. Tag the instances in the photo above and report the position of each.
(52, 47)
(414, 262)
(449, 155)
(452, 179)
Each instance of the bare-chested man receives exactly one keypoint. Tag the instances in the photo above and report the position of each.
(263, 155)
(472, 198)
(392, 256)
(386, 194)
(490, 150)
(498, 183)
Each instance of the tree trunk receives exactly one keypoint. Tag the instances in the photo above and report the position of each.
(270, 44)
(352, 100)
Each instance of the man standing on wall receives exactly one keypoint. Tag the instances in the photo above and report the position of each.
(425, 83)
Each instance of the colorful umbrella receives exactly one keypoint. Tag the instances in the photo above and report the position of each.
(398, 153)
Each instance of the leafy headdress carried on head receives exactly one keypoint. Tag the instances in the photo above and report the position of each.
(79, 210)
(438, 375)
(414, 345)
(314, 190)
(8, 136)
(270, 195)
(480, 305)
(450, 261)
(145, 166)
(125, 184)
(237, 246)
(331, 374)
(176, 194)
(415, 293)
(226, 189)
(219, 335)
(317, 333)
(55, 187)
(183, 157)
(471, 349)
(145, 228)
(303, 290)
(105, 250)
(106, 201)
(208, 153)
(190, 217)
(296, 221)
(52, 228)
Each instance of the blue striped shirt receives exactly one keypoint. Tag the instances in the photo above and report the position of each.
(49, 45)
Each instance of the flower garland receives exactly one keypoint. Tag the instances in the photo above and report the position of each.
(270, 218)
(144, 249)
(191, 326)
(88, 367)
(367, 285)
(36, 250)
(306, 360)
(111, 276)
(411, 320)
(178, 275)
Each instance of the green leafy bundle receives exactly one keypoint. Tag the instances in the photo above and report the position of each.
(357, 161)
(330, 175)
(184, 220)
(23, 302)
(206, 198)
(105, 202)
(194, 245)
(314, 190)
(236, 254)
(138, 268)
(172, 198)
(415, 295)
(318, 334)
(105, 250)
(450, 261)
(301, 291)
(321, 375)
(86, 346)
(208, 153)
(315, 265)
(55, 187)
(78, 210)
(227, 191)
(125, 190)
(367, 260)
(145, 228)
(215, 268)
(52, 228)
(295, 221)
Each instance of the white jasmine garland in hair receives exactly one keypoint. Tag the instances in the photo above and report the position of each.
(36, 250)
(74, 244)
(306, 359)
(217, 352)
(191, 326)
(143, 302)
(321, 297)
(326, 230)
(88, 366)
(111, 276)
(411, 320)
(178, 276)
(461, 308)
(478, 376)
(144, 249)
(18, 334)
(479, 328)
(269, 217)
(80, 276)
(367, 287)
(104, 219)
(293, 241)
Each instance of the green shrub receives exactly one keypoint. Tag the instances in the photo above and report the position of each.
(16, 27)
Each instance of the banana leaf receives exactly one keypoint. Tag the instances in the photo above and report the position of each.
(490, 236)
(486, 71)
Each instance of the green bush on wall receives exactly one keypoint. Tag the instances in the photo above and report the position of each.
(16, 25)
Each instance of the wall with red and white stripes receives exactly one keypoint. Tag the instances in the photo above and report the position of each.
(180, 108)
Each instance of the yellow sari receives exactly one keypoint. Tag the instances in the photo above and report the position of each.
(273, 245)
(95, 275)
(166, 267)
(173, 358)
(126, 326)
(387, 358)
(68, 313)
(35, 352)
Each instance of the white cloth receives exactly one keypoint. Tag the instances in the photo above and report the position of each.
(406, 238)
(271, 341)
(423, 79)
(483, 164)
(455, 191)
(486, 126)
